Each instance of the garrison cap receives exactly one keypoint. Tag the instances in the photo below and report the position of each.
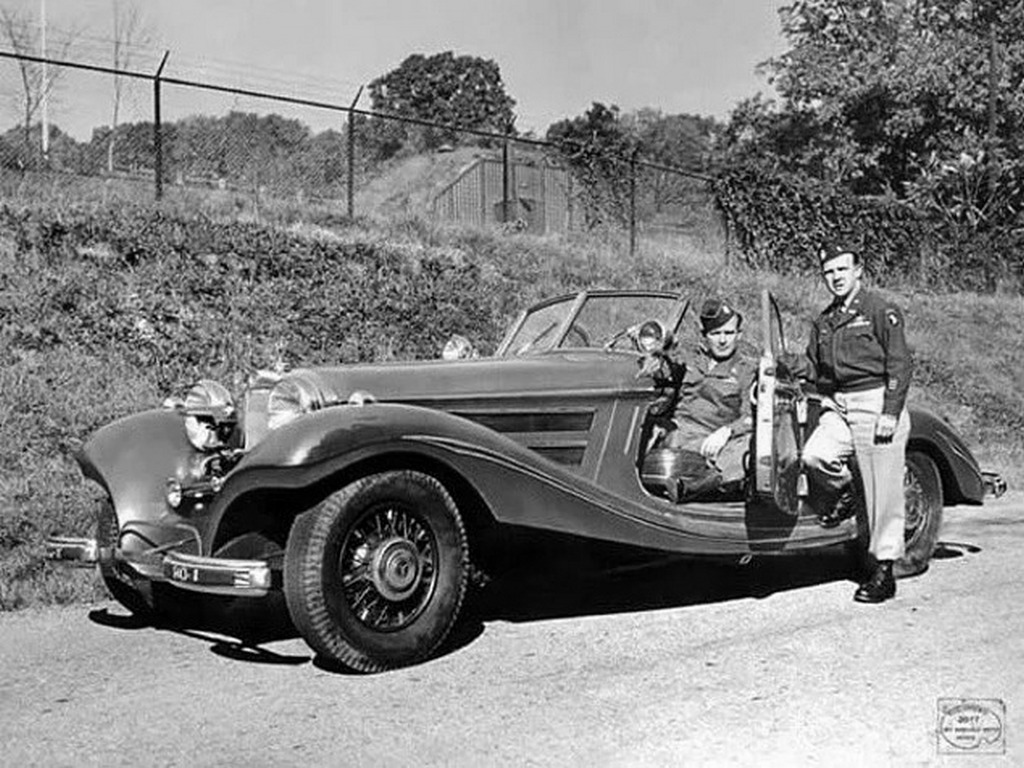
(833, 250)
(715, 313)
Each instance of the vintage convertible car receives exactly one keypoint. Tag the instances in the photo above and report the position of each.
(359, 493)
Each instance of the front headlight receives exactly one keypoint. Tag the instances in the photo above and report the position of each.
(458, 347)
(289, 399)
(210, 416)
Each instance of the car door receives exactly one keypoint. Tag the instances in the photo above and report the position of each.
(780, 420)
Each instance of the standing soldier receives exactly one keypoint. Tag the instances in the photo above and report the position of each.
(859, 359)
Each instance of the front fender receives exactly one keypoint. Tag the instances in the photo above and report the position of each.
(325, 442)
(518, 485)
(132, 459)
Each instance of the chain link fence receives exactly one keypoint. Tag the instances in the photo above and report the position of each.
(164, 136)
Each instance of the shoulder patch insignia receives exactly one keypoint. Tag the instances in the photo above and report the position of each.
(892, 316)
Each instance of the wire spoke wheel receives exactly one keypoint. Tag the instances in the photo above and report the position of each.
(388, 567)
(375, 575)
(915, 505)
(922, 495)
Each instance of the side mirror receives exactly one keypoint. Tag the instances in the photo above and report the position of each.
(652, 336)
(458, 347)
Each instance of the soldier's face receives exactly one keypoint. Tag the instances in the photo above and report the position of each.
(841, 275)
(722, 341)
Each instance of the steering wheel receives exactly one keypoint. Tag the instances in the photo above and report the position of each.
(575, 330)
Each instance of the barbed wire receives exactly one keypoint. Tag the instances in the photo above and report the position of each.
(633, 159)
(97, 49)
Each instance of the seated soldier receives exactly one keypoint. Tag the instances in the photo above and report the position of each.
(711, 422)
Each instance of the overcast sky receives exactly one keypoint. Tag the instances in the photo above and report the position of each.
(556, 56)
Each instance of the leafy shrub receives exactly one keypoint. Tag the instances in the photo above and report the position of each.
(779, 220)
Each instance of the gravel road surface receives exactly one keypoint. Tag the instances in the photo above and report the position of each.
(771, 663)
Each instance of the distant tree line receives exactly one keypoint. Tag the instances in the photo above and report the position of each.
(240, 149)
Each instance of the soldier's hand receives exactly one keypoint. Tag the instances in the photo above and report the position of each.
(649, 366)
(885, 428)
(715, 442)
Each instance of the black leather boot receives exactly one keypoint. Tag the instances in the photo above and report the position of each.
(845, 506)
(880, 587)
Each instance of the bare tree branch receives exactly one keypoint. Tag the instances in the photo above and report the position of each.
(130, 32)
(21, 31)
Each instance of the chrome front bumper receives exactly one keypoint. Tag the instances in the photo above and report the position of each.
(213, 575)
(219, 576)
(81, 552)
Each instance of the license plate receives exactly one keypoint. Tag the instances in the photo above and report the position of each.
(184, 573)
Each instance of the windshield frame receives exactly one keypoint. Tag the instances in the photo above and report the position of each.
(576, 302)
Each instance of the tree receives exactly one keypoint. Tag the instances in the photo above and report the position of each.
(680, 141)
(37, 82)
(465, 91)
(598, 148)
(872, 89)
(130, 32)
(911, 105)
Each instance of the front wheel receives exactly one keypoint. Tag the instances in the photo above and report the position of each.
(922, 493)
(130, 590)
(375, 575)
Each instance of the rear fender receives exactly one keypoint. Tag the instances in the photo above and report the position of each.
(962, 480)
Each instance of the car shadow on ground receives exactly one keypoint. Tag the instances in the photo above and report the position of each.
(557, 579)
(234, 628)
(584, 588)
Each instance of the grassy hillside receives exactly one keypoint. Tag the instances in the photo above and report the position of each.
(104, 312)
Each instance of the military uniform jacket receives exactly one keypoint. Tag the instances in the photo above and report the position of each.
(861, 347)
(711, 394)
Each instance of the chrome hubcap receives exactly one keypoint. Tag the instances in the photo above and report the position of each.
(396, 569)
(388, 567)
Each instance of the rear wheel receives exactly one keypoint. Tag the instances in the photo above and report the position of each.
(922, 491)
(922, 494)
(375, 575)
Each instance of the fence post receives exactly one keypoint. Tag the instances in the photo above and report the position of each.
(158, 134)
(505, 175)
(570, 202)
(484, 219)
(632, 201)
(351, 185)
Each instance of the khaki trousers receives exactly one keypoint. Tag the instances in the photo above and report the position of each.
(846, 428)
(730, 461)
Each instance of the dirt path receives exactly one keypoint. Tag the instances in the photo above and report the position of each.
(772, 664)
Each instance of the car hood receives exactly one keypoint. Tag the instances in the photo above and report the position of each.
(467, 379)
